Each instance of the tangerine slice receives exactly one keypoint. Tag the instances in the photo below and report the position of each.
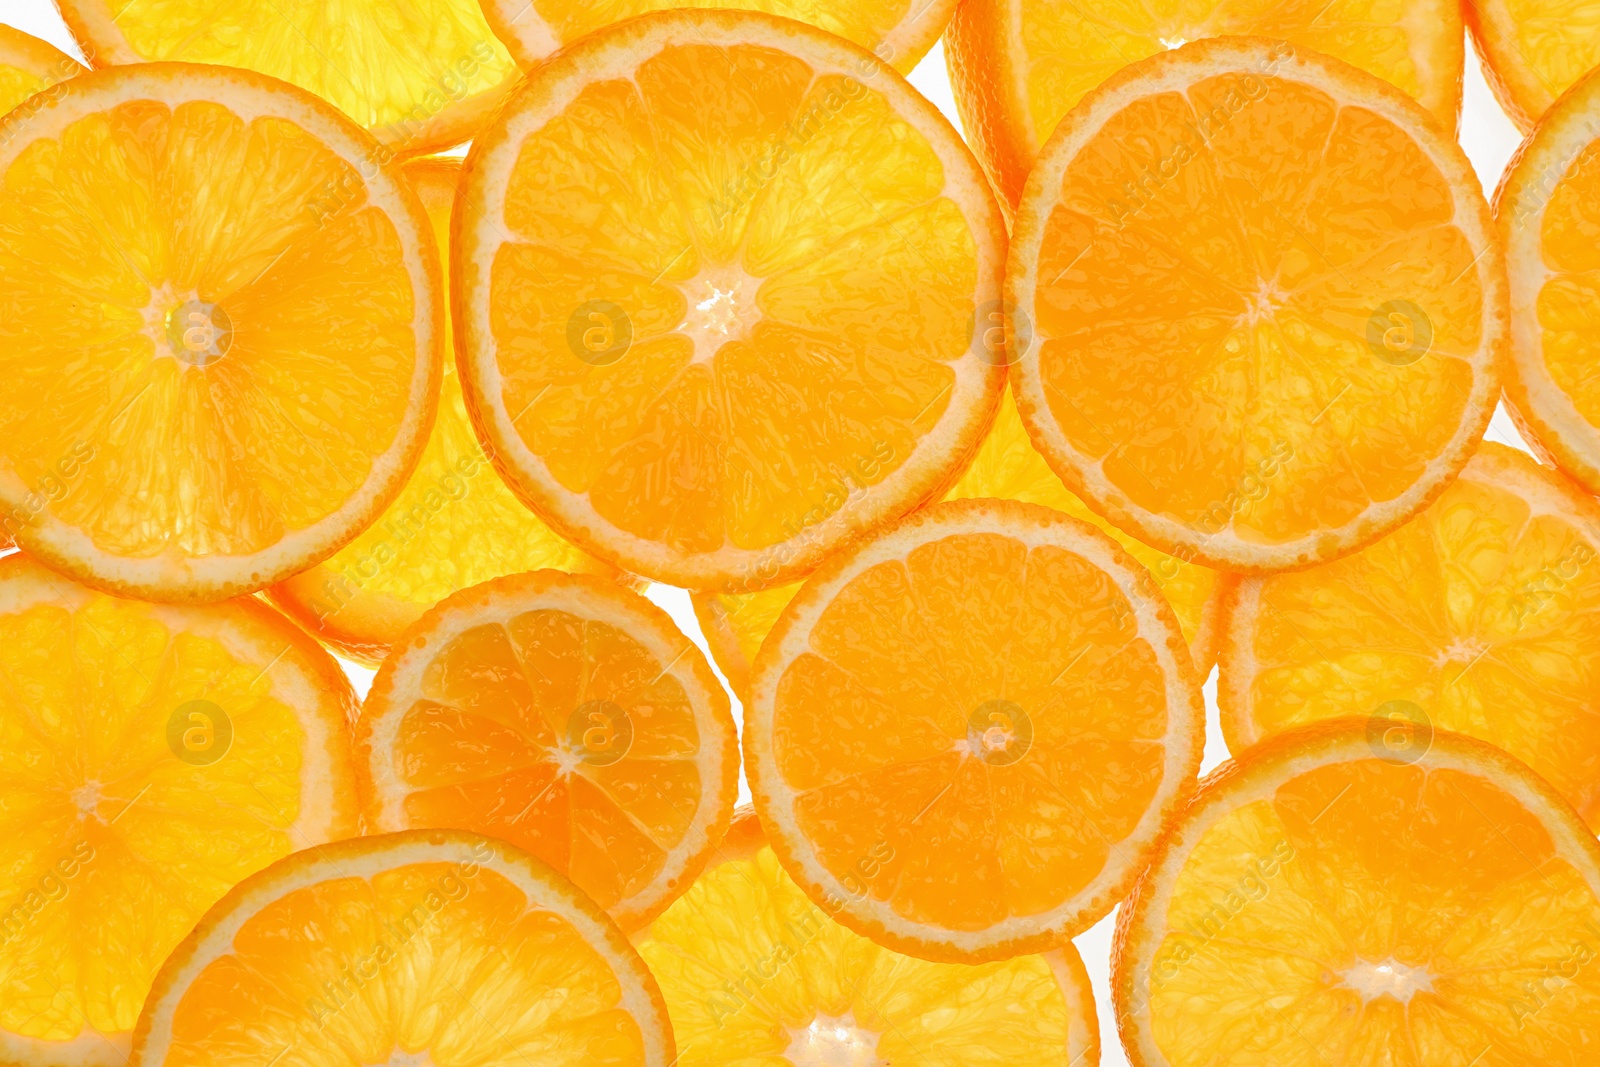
(1533, 51)
(28, 65)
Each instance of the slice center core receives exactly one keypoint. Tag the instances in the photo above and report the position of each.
(1390, 978)
(721, 308)
(193, 331)
(830, 1042)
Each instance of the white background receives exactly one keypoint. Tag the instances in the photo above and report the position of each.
(1488, 137)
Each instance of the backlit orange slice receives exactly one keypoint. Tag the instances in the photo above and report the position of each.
(966, 731)
(28, 65)
(151, 757)
(1018, 66)
(1267, 303)
(716, 283)
(1327, 900)
(566, 715)
(220, 352)
(899, 32)
(414, 949)
(1533, 50)
(420, 75)
(455, 523)
(1548, 220)
(1479, 616)
(754, 973)
(1006, 467)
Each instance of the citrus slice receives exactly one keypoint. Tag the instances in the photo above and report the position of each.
(28, 65)
(1533, 50)
(455, 523)
(1018, 66)
(566, 715)
(1006, 467)
(223, 334)
(969, 728)
(1327, 900)
(1478, 616)
(426, 947)
(899, 32)
(1267, 305)
(1546, 209)
(715, 282)
(420, 75)
(785, 984)
(150, 758)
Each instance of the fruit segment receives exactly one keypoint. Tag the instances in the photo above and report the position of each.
(28, 65)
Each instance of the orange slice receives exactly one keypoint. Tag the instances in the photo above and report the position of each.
(428, 947)
(1326, 900)
(420, 75)
(1546, 209)
(255, 325)
(1478, 617)
(1018, 66)
(716, 280)
(150, 758)
(27, 65)
(567, 716)
(967, 730)
(785, 984)
(1267, 305)
(1533, 50)
(455, 524)
(1006, 467)
(899, 32)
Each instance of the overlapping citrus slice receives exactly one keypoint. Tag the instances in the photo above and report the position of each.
(420, 75)
(716, 281)
(28, 65)
(1546, 207)
(899, 32)
(418, 948)
(1479, 616)
(753, 972)
(455, 524)
(1533, 50)
(1007, 467)
(969, 728)
(1327, 900)
(1267, 303)
(150, 758)
(220, 353)
(566, 715)
(1018, 66)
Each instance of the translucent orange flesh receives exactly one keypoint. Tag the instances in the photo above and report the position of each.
(1537, 49)
(1569, 313)
(874, 723)
(438, 963)
(1231, 299)
(1481, 614)
(1372, 912)
(454, 525)
(119, 223)
(777, 248)
(115, 847)
(748, 965)
(497, 747)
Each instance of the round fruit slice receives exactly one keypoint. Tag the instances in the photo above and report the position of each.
(151, 757)
(967, 730)
(1006, 467)
(426, 947)
(1327, 900)
(566, 715)
(1018, 66)
(1533, 51)
(716, 280)
(1546, 209)
(1478, 616)
(420, 75)
(785, 984)
(1268, 305)
(27, 65)
(899, 32)
(455, 524)
(221, 349)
